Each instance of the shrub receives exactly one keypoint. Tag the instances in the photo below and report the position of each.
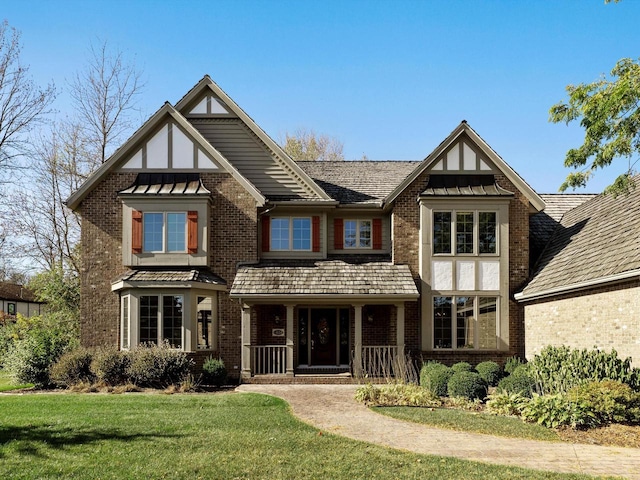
(397, 394)
(72, 368)
(503, 403)
(558, 369)
(511, 364)
(110, 365)
(434, 376)
(557, 410)
(609, 400)
(468, 385)
(158, 366)
(461, 367)
(214, 372)
(520, 381)
(30, 358)
(490, 372)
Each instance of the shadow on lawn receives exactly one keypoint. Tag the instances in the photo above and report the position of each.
(35, 439)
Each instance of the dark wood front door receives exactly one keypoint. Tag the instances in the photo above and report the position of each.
(323, 336)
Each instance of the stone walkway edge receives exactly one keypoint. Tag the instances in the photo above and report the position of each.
(333, 408)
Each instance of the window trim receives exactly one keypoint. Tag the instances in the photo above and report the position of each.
(165, 231)
(125, 333)
(454, 326)
(290, 219)
(476, 232)
(359, 222)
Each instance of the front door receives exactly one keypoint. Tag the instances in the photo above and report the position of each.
(323, 336)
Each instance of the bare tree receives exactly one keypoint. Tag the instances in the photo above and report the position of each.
(305, 144)
(105, 94)
(23, 105)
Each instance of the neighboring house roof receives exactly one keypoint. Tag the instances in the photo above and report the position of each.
(324, 279)
(464, 186)
(464, 128)
(596, 242)
(542, 224)
(173, 277)
(358, 182)
(167, 184)
(13, 292)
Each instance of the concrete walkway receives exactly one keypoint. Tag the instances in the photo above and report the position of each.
(332, 408)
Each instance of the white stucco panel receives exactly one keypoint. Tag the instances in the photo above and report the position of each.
(217, 106)
(484, 166)
(453, 158)
(135, 161)
(182, 149)
(469, 158)
(442, 272)
(158, 149)
(466, 275)
(489, 275)
(204, 162)
(439, 165)
(200, 107)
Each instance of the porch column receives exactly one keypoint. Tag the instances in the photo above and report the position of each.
(357, 341)
(289, 364)
(246, 342)
(400, 327)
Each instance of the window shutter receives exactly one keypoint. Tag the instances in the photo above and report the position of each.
(315, 233)
(377, 233)
(192, 231)
(136, 231)
(265, 233)
(338, 233)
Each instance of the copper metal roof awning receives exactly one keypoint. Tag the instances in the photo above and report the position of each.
(464, 186)
(166, 184)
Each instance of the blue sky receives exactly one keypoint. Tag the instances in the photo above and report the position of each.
(390, 79)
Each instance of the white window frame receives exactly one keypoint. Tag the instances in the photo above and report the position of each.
(125, 322)
(160, 337)
(454, 323)
(358, 239)
(165, 231)
(290, 220)
(476, 232)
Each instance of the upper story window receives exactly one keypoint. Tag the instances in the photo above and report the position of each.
(291, 233)
(164, 232)
(357, 234)
(464, 232)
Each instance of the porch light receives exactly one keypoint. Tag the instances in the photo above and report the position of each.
(276, 320)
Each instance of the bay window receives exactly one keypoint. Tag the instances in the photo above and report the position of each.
(465, 322)
(160, 318)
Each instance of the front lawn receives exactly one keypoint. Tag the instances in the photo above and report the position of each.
(222, 436)
(5, 383)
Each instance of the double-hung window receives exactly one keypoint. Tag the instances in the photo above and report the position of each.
(291, 233)
(164, 231)
(465, 232)
(357, 234)
(161, 319)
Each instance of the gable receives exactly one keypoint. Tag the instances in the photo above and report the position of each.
(207, 104)
(462, 157)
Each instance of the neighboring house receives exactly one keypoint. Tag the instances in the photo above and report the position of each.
(585, 291)
(16, 299)
(202, 232)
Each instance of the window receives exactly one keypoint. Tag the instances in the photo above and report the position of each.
(11, 308)
(357, 234)
(205, 324)
(465, 232)
(291, 233)
(164, 232)
(475, 325)
(124, 305)
(161, 324)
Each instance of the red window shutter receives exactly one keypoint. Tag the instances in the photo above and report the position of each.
(338, 233)
(136, 231)
(266, 233)
(315, 233)
(192, 231)
(377, 234)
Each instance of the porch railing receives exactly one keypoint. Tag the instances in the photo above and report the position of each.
(378, 361)
(268, 359)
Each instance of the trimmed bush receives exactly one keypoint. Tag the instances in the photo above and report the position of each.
(110, 365)
(520, 381)
(214, 372)
(72, 368)
(511, 364)
(397, 394)
(490, 372)
(434, 376)
(468, 385)
(558, 369)
(158, 366)
(462, 367)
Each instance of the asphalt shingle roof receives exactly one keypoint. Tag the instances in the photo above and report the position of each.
(330, 277)
(16, 293)
(597, 239)
(358, 181)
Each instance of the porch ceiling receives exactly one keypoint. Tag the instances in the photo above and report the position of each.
(325, 279)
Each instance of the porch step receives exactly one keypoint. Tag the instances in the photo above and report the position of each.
(306, 379)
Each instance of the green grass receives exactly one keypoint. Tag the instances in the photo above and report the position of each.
(6, 384)
(454, 419)
(224, 436)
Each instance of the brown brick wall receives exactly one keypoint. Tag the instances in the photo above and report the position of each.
(606, 317)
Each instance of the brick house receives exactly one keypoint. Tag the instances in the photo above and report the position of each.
(202, 232)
